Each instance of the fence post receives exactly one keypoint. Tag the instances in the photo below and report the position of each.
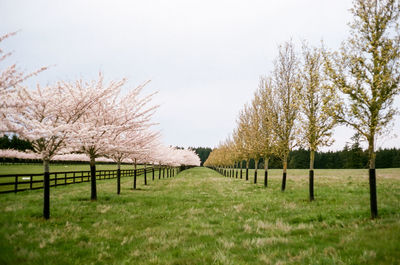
(16, 184)
(118, 181)
(30, 184)
(93, 193)
(266, 178)
(134, 179)
(46, 194)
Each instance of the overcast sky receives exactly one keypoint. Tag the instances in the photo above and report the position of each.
(204, 57)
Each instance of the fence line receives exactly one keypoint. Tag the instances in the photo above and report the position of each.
(21, 182)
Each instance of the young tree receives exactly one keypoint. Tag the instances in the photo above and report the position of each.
(285, 104)
(128, 142)
(239, 150)
(108, 118)
(366, 73)
(256, 140)
(315, 103)
(45, 117)
(244, 137)
(265, 94)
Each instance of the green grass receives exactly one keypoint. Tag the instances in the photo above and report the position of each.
(200, 217)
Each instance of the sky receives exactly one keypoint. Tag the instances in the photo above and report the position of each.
(203, 57)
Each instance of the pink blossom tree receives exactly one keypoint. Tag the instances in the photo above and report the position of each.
(132, 143)
(45, 117)
(104, 121)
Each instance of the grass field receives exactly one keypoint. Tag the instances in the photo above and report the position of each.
(200, 217)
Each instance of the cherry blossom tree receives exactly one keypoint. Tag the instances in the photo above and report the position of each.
(107, 119)
(127, 144)
(45, 117)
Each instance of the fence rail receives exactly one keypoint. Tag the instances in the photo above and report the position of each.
(21, 182)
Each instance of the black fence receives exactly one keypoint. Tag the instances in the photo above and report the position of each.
(21, 182)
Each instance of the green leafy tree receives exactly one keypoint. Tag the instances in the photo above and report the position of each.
(315, 102)
(366, 73)
(285, 103)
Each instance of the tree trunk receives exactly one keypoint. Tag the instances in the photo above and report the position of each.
(284, 173)
(247, 169)
(241, 166)
(372, 178)
(255, 170)
(93, 194)
(152, 171)
(46, 189)
(266, 160)
(236, 169)
(311, 175)
(134, 178)
(145, 174)
(119, 178)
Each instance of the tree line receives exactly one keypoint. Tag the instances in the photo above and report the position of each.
(311, 91)
(352, 156)
(347, 158)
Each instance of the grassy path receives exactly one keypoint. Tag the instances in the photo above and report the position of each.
(200, 217)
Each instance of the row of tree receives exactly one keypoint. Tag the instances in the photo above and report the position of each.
(308, 93)
(346, 158)
(352, 156)
(95, 118)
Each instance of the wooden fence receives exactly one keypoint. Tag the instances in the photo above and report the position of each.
(21, 182)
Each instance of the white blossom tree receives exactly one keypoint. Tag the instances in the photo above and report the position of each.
(104, 121)
(127, 143)
(46, 116)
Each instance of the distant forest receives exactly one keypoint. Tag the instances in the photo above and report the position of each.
(350, 157)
